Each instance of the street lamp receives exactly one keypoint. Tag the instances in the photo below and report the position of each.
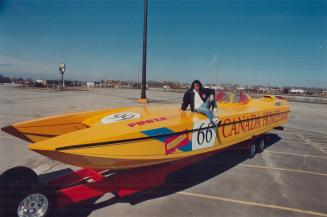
(62, 68)
(143, 98)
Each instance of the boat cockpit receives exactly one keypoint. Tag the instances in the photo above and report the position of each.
(227, 97)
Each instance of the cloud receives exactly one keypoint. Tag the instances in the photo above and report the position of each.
(214, 60)
(23, 65)
(6, 65)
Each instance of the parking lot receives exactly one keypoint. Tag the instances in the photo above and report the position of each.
(288, 179)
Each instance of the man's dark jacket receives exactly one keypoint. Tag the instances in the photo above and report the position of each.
(188, 98)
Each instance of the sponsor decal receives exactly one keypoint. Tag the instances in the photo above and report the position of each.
(179, 142)
(204, 137)
(123, 116)
(174, 142)
(237, 125)
(152, 120)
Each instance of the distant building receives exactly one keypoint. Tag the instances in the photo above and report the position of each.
(240, 88)
(263, 89)
(296, 91)
(4, 79)
(90, 84)
(215, 87)
(40, 83)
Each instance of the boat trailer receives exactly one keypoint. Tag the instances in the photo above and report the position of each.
(23, 194)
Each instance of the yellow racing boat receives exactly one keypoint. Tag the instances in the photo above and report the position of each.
(147, 135)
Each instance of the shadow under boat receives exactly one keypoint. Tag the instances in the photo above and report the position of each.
(175, 181)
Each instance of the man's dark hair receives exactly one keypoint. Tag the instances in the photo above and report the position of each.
(196, 82)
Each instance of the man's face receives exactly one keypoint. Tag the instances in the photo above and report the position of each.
(196, 87)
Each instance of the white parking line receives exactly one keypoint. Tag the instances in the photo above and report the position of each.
(8, 137)
(302, 137)
(316, 145)
(308, 212)
(283, 169)
(287, 153)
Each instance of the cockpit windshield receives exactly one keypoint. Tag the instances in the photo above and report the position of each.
(222, 97)
(239, 97)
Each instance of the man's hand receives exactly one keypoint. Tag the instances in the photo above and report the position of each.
(211, 98)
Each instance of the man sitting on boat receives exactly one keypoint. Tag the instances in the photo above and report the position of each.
(200, 100)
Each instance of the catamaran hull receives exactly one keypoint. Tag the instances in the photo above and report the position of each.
(102, 162)
(142, 136)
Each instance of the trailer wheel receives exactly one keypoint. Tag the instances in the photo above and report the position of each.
(261, 145)
(39, 201)
(252, 150)
(14, 183)
(17, 180)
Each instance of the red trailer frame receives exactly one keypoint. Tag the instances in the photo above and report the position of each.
(85, 184)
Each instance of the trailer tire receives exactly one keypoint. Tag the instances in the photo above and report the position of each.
(16, 180)
(14, 183)
(261, 145)
(252, 150)
(39, 201)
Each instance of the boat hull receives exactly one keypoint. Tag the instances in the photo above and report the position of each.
(148, 135)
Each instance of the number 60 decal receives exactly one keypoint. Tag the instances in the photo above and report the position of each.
(204, 136)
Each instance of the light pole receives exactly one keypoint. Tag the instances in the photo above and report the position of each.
(216, 67)
(143, 98)
(62, 68)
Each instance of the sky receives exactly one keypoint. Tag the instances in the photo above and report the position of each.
(249, 42)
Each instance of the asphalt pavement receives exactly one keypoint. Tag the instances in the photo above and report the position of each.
(288, 179)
